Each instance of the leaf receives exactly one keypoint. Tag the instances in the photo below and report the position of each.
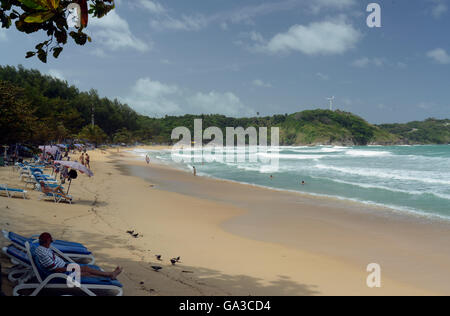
(42, 55)
(39, 17)
(30, 54)
(32, 4)
(57, 51)
(54, 4)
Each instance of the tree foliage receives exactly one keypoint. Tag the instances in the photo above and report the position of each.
(17, 120)
(49, 16)
(93, 134)
(38, 108)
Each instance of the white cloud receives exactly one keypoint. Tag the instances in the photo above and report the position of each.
(247, 14)
(440, 56)
(152, 6)
(319, 38)
(318, 5)
(185, 23)
(261, 84)
(56, 74)
(114, 32)
(243, 15)
(323, 76)
(155, 98)
(219, 103)
(425, 105)
(2, 35)
(365, 61)
(439, 8)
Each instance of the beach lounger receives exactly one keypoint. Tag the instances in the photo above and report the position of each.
(11, 191)
(75, 251)
(56, 197)
(43, 280)
(22, 270)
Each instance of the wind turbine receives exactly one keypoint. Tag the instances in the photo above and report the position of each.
(331, 102)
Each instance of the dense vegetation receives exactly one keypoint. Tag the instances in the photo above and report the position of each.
(36, 109)
(431, 131)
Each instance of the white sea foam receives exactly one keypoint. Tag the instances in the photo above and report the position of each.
(367, 153)
(406, 175)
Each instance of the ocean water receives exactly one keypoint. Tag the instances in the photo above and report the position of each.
(409, 179)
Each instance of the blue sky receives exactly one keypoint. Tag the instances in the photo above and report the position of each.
(239, 57)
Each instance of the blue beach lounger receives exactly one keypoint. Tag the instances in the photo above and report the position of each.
(10, 191)
(43, 280)
(72, 250)
(22, 269)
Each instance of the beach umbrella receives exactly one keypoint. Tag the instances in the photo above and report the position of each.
(49, 149)
(74, 166)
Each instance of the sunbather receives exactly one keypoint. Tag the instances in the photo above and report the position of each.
(54, 264)
(58, 190)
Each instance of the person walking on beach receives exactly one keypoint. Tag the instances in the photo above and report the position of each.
(87, 161)
(82, 159)
(55, 264)
(195, 171)
(147, 159)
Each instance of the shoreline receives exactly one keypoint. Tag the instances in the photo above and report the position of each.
(389, 210)
(364, 215)
(220, 253)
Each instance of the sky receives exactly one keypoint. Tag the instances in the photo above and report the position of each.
(242, 57)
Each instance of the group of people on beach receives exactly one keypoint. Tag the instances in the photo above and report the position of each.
(85, 160)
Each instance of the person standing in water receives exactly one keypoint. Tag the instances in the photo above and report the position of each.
(147, 159)
(195, 171)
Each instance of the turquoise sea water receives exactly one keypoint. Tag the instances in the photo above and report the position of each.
(414, 179)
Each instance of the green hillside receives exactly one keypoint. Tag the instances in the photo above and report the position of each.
(431, 131)
(35, 108)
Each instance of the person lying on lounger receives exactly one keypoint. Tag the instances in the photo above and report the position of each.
(58, 190)
(55, 264)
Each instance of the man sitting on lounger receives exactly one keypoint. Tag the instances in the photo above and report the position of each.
(55, 264)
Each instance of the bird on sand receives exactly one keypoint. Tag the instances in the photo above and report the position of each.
(156, 268)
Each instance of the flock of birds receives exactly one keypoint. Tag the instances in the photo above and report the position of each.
(173, 261)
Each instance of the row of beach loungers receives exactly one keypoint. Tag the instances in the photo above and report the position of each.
(31, 279)
(33, 175)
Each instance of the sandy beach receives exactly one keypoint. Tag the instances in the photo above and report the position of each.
(233, 239)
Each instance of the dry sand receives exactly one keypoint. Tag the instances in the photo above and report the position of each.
(233, 239)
